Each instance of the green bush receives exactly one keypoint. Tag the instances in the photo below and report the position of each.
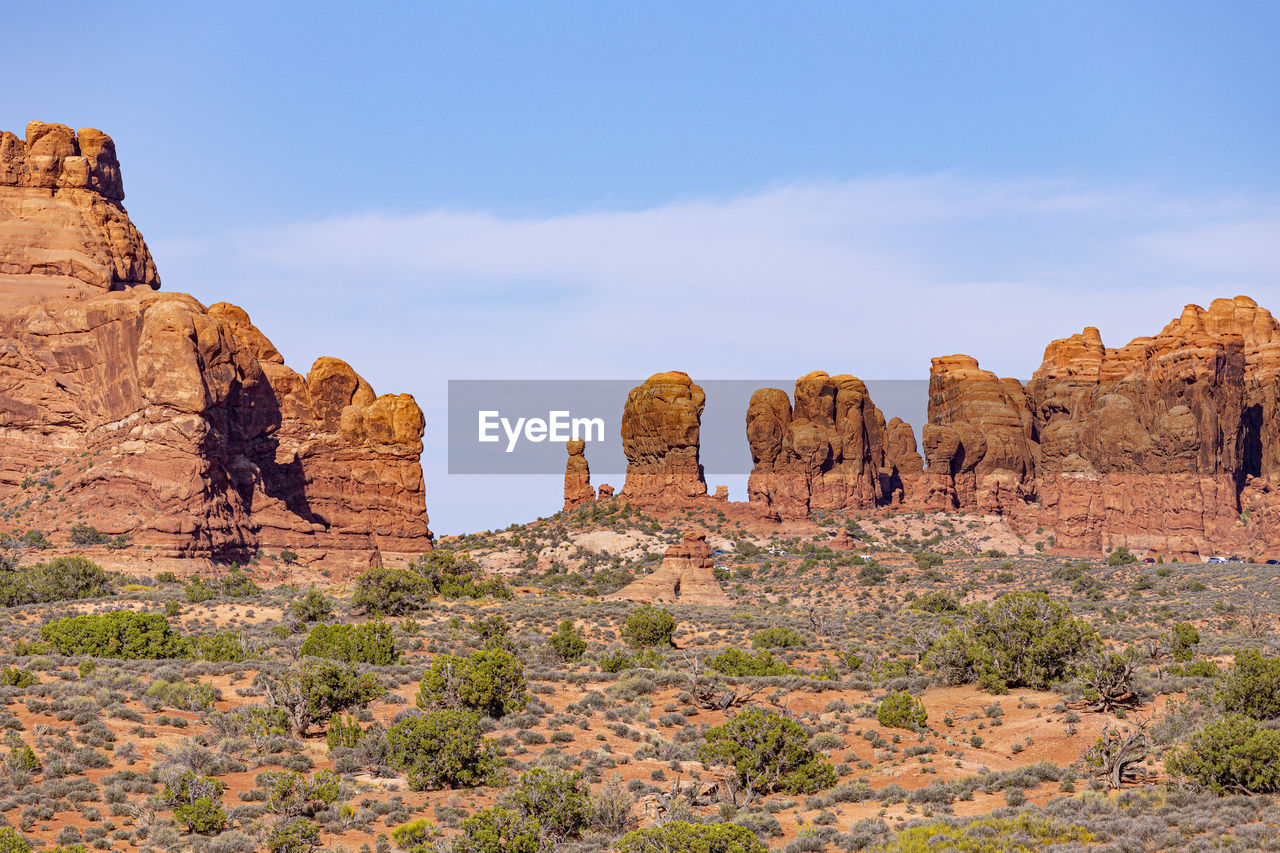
(680, 836)
(296, 835)
(315, 606)
(901, 710)
(291, 794)
(1022, 639)
(615, 660)
(490, 681)
(120, 634)
(443, 749)
(11, 676)
(735, 662)
(317, 691)
(202, 816)
(500, 830)
(234, 584)
(1120, 557)
(1183, 639)
(557, 800)
(1252, 686)
(936, 602)
(59, 579)
(767, 752)
(416, 836)
(1230, 755)
(371, 643)
(779, 638)
(394, 592)
(224, 647)
(12, 841)
(648, 626)
(567, 642)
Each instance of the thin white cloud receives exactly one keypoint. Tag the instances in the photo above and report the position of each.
(870, 276)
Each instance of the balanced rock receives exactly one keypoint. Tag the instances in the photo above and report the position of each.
(577, 476)
(660, 432)
(686, 576)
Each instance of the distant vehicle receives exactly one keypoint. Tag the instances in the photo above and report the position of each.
(718, 551)
(778, 551)
(1273, 562)
(1148, 559)
(1216, 560)
(1234, 560)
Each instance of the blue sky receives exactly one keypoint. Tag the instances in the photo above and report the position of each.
(436, 191)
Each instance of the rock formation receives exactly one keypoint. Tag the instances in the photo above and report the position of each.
(577, 476)
(62, 225)
(829, 452)
(174, 423)
(660, 427)
(979, 441)
(1168, 443)
(686, 576)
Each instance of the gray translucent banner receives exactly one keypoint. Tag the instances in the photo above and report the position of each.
(519, 426)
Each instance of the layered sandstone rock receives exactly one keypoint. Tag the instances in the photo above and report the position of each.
(829, 452)
(62, 225)
(174, 423)
(686, 576)
(577, 476)
(1162, 443)
(979, 441)
(1169, 443)
(660, 432)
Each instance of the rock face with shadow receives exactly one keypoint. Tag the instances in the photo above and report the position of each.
(686, 576)
(166, 420)
(577, 476)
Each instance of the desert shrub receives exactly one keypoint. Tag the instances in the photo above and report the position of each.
(86, 534)
(680, 836)
(454, 576)
(901, 710)
(225, 647)
(315, 606)
(501, 830)
(291, 794)
(59, 579)
(490, 681)
(615, 660)
(936, 602)
(567, 642)
(1120, 557)
(735, 662)
(234, 584)
(767, 752)
(1021, 834)
(443, 749)
(343, 732)
(1183, 639)
(1022, 639)
(648, 626)
(371, 643)
(557, 800)
(398, 591)
(1196, 669)
(317, 691)
(296, 835)
(12, 841)
(1252, 686)
(11, 676)
(927, 559)
(120, 634)
(196, 802)
(779, 638)
(182, 695)
(1231, 755)
(202, 816)
(416, 836)
(871, 573)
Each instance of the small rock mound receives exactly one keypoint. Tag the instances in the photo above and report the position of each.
(686, 576)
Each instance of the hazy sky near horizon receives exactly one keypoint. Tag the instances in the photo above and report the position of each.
(438, 191)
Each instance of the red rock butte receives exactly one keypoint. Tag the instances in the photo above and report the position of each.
(172, 422)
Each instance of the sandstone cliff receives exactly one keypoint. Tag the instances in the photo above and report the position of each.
(154, 416)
